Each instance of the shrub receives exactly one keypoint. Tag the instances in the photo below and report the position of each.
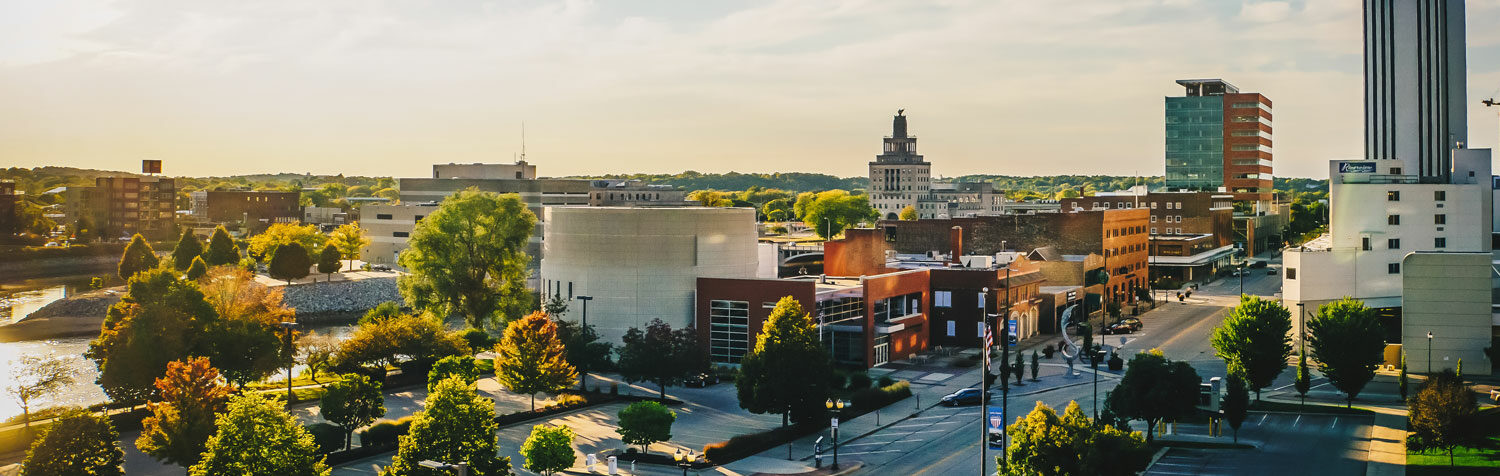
(837, 378)
(385, 432)
(872, 398)
(570, 400)
(749, 444)
(329, 437)
(886, 381)
(859, 381)
(484, 366)
(477, 338)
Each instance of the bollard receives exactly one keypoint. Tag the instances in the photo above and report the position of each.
(632, 466)
(614, 465)
(590, 461)
(877, 417)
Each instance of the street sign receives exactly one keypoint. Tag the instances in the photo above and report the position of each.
(835, 423)
(1013, 327)
(995, 426)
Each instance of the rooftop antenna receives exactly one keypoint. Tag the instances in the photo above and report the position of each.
(523, 140)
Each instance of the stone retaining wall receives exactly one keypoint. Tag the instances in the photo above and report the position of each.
(340, 297)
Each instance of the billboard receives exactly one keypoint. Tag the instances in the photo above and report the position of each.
(150, 166)
(1356, 167)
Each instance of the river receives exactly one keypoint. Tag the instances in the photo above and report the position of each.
(19, 298)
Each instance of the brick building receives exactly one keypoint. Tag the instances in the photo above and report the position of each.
(254, 210)
(1191, 233)
(124, 206)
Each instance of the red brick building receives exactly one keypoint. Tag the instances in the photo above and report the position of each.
(124, 206)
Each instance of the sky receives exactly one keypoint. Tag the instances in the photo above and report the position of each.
(387, 87)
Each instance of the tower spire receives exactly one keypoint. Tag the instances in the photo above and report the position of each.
(523, 140)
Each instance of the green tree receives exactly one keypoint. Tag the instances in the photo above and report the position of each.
(1255, 341)
(1045, 444)
(530, 358)
(350, 240)
(84, 230)
(198, 269)
(454, 365)
(290, 262)
(584, 350)
(316, 352)
(1236, 404)
(1401, 381)
(328, 261)
(245, 342)
(78, 443)
(38, 377)
(256, 437)
(548, 449)
(221, 249)
(710, 198)
(787, 371)
(645, 422)
(469, 258)
(799, 206)
(1155, 388)
(180, 425)
(457, 424)
(266, 244)
(659, 355)
(352, 402)
(1303, 383)
(156, 322)
(138, 257)
(1036, 366)
(909, 213)
(835, 210)
(387, 341)
(1348, 344)
(1444, 416)
(771, 209)
(1018, 367)
(187, 248)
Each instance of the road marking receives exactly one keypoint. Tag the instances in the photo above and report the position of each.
(1298, 420)
(874, 452)
(924, 425)
(933, 416)
(883, 442)
(1262, 419)
(1335, 422)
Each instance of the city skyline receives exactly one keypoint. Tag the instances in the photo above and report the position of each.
(386, 89)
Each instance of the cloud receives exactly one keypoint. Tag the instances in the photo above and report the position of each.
(1265, 12)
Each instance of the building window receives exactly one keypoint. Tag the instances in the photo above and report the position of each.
(1393, 196)
(728, 330)
(952, 328)
(1440, 219)
(1291, 273)
(382, 216)
(1393, 219)
(1153, 229)
(400, 234)
(1393, 268)
(1393, 243)
(1440, 242)
(942, 299)
(1364, 243)
(981, 300)
(1439, 195)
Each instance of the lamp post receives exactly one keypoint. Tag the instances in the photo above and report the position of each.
(1429, 352)
(1302, 327)
(585, 300)
(686, 460)
(461, 469)
(1242, 278)
(286, 328)
(835, 406)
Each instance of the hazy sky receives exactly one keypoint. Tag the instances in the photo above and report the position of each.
(379, 87)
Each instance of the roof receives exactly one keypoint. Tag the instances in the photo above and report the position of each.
(1045, 253)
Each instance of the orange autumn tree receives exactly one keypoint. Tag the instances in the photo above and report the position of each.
(246, 342)
(532, 358)
(191, 393)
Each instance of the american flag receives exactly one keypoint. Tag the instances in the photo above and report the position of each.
(989, 340)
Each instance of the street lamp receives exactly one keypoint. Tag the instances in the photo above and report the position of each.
(835, 406)
(287, 327)
(1429, 352)
(1302, 327)
(461, 469)
(585, 300)
(686, 460)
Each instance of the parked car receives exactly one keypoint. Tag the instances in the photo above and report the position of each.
(1118, 328)
(1236, 273)
(701, 380)
(380, 267)
(1135, 324)
(1259, 264)
(1271, 271)
(967, 396)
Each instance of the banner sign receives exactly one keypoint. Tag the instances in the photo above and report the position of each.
(1356, 167)
(995, 425)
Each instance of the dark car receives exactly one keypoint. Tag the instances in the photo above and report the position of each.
(1271, 271)
(1118, 328)
(1135, 324)
(968, 396)
(701, 380)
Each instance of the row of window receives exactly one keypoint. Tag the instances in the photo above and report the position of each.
(1168, 218)
(1437, 219)
(1395, 243)
(1395, 195)
(1169, 231)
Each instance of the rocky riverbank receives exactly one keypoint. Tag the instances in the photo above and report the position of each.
(316, 303)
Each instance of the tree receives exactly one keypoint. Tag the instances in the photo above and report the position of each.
(245, 341)
(328, 260)
(835, 210)
(198, 269)
(350, 240)
(645, 422)
(138, 257)
(187, 248)
(1155, 388)
(555, 305)
(1348, 344)
(1401, 382)
(156, 322)
(220, 249)
(461, 366)
(1303, 383)
(777, 210)
(1236, 404)
(352, 402)
(256, 437)
(469, 258)
(1444, 416)
(799, 206)
(530, 358)
(389, 340)
(317, 351)
(457, 424)
(38, 377)
(290, 262)
(1255, 341)
(1036, 366)
(659, 355)
(1045, 444)
(787, 371)
(709, 198)
(84, 230)
(266, 244)
(78, 443)
(909, 213)
(548, 449)
(584, 350)
(1018, 367)
(180, 425)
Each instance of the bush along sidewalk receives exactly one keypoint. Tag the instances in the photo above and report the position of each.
(863, 401)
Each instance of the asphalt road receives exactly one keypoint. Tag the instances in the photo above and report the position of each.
(1327, 445)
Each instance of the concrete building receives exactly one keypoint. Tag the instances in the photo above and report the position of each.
(124, 206)
(1219, 138)
(634, 193)
(639, 264)
(1447, 296)
(1415, 85)
(389, 228)
(254, 210)
(1192, 233)
(520, 170)
(899, 176)
(326, 216)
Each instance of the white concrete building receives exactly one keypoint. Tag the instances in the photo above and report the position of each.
(638, 264)
(1415, 103)
(1447, 296)
(520, 170)
(899, 177)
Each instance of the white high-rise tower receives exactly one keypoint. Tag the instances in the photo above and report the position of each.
(1414, 84)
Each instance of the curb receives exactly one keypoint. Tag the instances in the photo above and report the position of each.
(848, 468)
(1156, 457)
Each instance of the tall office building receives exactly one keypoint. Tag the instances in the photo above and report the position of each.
(1219, 137)
(899, 175)
(1414, 84)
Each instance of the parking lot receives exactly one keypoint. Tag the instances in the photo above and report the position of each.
(1326, 445)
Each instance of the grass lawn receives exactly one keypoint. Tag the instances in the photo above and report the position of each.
(1465, 461)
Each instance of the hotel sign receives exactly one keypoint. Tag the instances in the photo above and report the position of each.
(1356, 167)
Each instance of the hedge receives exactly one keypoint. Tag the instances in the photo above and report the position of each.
(329, 437)
(384, 433)
(871, 398)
